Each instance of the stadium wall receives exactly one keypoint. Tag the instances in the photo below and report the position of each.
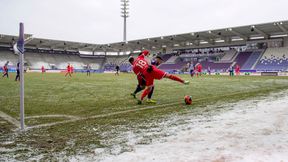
(285, 42)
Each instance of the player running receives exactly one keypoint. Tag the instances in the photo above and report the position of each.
(6, 70)
(151, 72)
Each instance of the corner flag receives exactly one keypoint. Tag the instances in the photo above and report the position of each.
(19, 49)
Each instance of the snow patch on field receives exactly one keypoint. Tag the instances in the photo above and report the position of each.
(253, 130)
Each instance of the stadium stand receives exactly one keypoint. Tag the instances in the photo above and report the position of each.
(217, 67)
(242, 57)
(274, 59)
(252, 60)
(8, 56)
(172, 60)
(228, 56)
(35, 60)
(112, 61)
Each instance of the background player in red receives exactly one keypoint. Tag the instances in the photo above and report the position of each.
(68, 70)
(5, 70)
(43, 69)
(150, 72)
(72, 69)
(199, 69)
(237, 69)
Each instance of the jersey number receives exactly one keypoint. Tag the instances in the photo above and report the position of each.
(141, 64)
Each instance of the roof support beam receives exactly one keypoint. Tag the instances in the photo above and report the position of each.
(282, 27)
(207, 40)
(216, 35)
(238, 34)
(261, 32)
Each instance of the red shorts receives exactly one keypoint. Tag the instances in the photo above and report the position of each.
(155, 74)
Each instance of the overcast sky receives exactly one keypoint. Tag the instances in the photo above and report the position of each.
(99, 21)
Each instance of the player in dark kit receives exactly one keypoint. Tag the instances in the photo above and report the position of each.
(156, 61)
(18, 72)
(88, 70)
(117, 70)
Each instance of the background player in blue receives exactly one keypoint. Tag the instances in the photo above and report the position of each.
(88, 70)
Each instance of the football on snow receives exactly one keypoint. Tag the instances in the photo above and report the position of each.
(188, 100)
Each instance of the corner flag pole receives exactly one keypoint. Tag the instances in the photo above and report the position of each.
(20, 47)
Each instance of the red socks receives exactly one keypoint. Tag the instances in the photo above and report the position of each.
(173, 77)
(145, 93)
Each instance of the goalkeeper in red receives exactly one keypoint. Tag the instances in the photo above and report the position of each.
(151, 72)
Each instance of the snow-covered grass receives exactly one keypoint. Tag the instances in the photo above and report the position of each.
(95, 117)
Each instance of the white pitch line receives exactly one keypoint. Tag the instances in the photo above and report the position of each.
(10, 119)
(52, 116)
(101, 116)
(131, 110)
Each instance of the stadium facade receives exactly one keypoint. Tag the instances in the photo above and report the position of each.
(260, 47)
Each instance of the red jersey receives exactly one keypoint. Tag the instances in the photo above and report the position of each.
(5, 68)
(69, 68)
(199, 68)
(140, 65)
(237, 68)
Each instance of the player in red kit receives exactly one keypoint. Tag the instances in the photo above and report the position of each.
(151, 72)
(71, 69)
(141, 80)
(237, 69)
(43, 69)
(5, 70)
(199, 69)
(68, 71)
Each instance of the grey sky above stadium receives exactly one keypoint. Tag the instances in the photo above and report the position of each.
(99, 21)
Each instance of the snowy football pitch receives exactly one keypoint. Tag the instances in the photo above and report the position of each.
(72, 116)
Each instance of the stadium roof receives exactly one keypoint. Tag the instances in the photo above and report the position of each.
(219, 37)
